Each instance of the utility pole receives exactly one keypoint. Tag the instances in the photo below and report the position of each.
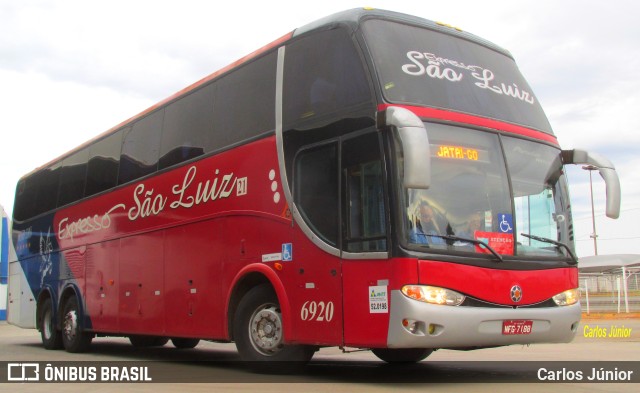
(594, 235)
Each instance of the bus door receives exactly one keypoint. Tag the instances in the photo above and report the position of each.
(365, 266)
(339, 195)
(326, 102)
(316, 303)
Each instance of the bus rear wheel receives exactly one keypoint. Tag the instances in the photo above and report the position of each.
(74, 339)
(258, 329)
(402, 355)
(51, 336)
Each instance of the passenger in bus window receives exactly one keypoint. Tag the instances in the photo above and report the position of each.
(426, 229)
(474, 223)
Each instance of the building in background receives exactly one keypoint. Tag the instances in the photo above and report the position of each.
(4, 262)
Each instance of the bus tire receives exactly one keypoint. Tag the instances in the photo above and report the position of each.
(51, 336)
(184, 343)
(140, 341)
(258, 329)
(74, 339)
(402, 355)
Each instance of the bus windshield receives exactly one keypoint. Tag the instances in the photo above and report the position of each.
(419, 66)
(471, 200)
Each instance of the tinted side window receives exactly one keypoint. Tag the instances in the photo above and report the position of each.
(188, 128)
(140, 148)
(245, 101)
(25, 201)
(323, 74)
(37, 193)
(46, 183)
(72, 177)
(316, 190)
(365, 224)
(104, 159)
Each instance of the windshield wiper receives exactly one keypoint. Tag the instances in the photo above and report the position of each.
(555, 243)
(474, 241)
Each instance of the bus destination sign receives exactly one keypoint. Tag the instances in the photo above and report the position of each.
(459, 153)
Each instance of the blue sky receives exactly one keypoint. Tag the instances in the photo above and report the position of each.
(70, 70)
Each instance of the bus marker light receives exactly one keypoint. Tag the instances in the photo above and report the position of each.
(412, 291)
(278, 266)
(412, 326)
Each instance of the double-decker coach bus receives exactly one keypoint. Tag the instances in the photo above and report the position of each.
(371, 180)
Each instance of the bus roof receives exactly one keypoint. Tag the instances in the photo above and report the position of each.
(350, 18)
(354, 17)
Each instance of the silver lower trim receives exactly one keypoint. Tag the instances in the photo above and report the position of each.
(459, 327)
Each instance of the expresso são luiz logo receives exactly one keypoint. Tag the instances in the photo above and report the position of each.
(516, 293)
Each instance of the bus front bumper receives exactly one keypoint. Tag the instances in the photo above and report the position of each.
(415, 324)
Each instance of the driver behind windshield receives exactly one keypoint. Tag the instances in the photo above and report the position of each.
(426, 230)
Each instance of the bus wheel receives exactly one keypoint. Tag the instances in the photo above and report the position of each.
(184, 343)
(139, 341)
(257, 329)
(73, 338)
(402, 355)
(51, 336)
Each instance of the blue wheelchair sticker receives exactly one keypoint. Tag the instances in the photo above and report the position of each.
(287, 252)
(505, 223)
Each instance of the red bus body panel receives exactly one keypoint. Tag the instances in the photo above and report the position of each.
(361, 326)
(162, 256)
(159, 252)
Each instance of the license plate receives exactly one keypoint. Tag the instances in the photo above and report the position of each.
(516, 327)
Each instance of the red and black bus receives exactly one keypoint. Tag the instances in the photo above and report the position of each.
(371, 180)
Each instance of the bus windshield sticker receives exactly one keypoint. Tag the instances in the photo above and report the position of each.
(502, 243)
(506, 223)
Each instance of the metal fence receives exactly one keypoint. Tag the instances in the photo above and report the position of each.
(616, 292)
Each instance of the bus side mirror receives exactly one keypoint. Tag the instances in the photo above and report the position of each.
(415, 147)
(607, 171)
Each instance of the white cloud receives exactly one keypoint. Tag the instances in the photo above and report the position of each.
(42, 119)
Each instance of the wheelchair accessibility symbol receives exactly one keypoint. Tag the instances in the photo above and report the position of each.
(287, 252)
(506, 223)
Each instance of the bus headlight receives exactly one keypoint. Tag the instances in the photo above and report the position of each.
(567, 297)
(433, 295)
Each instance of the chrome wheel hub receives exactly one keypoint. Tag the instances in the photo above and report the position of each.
(70, 325)
(265, 329)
